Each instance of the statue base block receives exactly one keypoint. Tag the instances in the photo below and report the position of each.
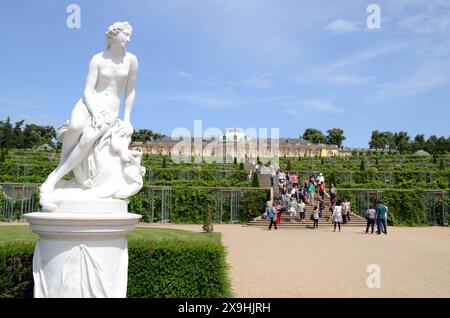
(79, 254)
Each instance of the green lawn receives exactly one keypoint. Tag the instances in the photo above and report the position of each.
(16, 233)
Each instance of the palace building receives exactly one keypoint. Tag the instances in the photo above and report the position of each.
(236, 143)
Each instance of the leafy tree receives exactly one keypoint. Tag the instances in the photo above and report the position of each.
(441, 146)
(430, 144)
(335, 136)
(36, 135)
(381, 140)
(314, 135)
(255, 181)
(6, 134)
(145, 135)
(402, 143)
(29, 137)
(362, 166)
(419, 143)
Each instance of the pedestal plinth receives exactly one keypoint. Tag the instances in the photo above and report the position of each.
(82, 253)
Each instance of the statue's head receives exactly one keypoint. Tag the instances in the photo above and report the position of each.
(120, 32)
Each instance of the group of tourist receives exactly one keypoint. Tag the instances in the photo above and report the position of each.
(293, 198)
(378, 215)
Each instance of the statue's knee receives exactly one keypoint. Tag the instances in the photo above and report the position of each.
(76, 127)
(85, 141)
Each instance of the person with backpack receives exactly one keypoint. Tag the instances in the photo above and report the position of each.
(295, 180)
(315, 217)
(292, 208)
(371, 215)
(381, 217)
(311, 190)
(337, 216)
(321, 207)
(322, 190)
(271, 215)
(301, 210)
(345, 211)
(333, 193)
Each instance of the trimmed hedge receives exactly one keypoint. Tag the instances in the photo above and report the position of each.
(16, 268)
(252, 204)
(157, 269)
(406, 208)
(177, 268)
(190, 205)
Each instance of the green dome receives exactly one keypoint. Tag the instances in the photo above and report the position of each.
(422, 153)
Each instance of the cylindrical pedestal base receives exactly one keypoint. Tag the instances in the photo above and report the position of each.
(81, 254)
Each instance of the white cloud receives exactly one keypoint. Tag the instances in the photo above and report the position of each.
(11, 102)
(200, 100)
(256, 82)
(183, 74)
(334, 79)
(426, 23)
(429, 76)
(363, 56)
(318, 105)
(342, 26)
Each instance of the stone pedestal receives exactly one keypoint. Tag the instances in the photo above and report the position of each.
(82, 249)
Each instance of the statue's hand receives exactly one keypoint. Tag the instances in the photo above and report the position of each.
(126, 129)
(99, 120)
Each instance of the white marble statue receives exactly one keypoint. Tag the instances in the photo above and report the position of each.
(95, 141)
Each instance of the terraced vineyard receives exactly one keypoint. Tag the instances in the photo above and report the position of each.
(417, 187)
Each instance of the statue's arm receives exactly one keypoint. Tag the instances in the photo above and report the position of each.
(91, 83)
(130, 91)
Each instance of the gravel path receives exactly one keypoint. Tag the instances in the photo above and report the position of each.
(414, 262)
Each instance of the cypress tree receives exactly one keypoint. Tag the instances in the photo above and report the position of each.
(164, 163)
(241, 166)
(361, 166)
(441, 165)
(255, 181)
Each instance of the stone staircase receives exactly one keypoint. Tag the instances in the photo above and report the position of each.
(325, 221)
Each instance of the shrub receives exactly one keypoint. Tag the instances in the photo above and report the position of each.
(406, 207)
(252, 204)
(190, 205)
(16, 263)
(157, 269)
(177, 268)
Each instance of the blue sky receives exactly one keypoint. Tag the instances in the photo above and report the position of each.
(240, 63)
